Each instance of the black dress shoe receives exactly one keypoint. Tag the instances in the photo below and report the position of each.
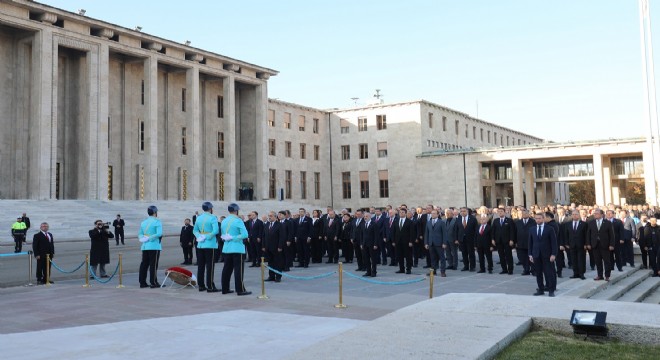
(574, 277)
(559, 275)
(582, 277)
(374, 275)
(481, 271)
(102, 276)
(490, 271)
(472, 269)
(142, 286)
(51, 282)
(465, 269)
(329, 262)
(399, 272)
(551, 294)
(525, 273)
(201, 288)
(278, 280)
(214, 290)
(366, 275)
(299, 266)
(270, 279)
(503, 272)
(408, 272)
(154, 286)
(227, 292)
(538, 293)
(244, 293)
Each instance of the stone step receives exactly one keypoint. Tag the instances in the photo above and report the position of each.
(588, 287)
(616, 290)
(654, 297)
(641, 291)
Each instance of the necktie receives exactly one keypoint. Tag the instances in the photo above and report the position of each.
(330, 223)
(401, 223)
(574, 225)
(481, 230)
(464, 222)
(539, 232)
(598, 223)
(368, 222)
(301, 220)
(524, 221)
(358, 222)
(433, 222)
(391, 219)
(271, 226)
(501, 221)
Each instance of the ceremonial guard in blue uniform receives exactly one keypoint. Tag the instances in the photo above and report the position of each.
(205, 231)
(151, 231)
(233, 232)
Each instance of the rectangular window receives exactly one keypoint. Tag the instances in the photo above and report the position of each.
(141, 136)
(317, 151)
(303, 185)
(381, 122)
(303, 148)
(315, 126)
(343, 123)
(507, 141)
(364, 184)
(466, 131)
(489, 136)
(456, 126)
(271, 118)
(287, 184)
(346, 185)
(384, 183)
(183, 141)
(287, 120)
(430, 120)
(142, 93)
(221, 145)
(271, 147)
(221, 106)
(474, 132)
(345, 152)
(481, 131)
(382, 149)
(301, 123)
(444, 123)
(317, 185)
(364, 151)
(272, 184)
(287, 149)
(183, 99)
(362, 124)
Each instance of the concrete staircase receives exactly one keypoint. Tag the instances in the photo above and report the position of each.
(70, 220)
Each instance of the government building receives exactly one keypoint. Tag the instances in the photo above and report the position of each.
(95, 111)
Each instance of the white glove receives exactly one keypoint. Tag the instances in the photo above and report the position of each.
(201, 238)
(226, 237)
(144, 239)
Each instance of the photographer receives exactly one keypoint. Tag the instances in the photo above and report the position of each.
(99, 253)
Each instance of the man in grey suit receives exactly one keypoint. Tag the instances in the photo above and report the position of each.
(451, 251)
(435, 242)
(629, 233)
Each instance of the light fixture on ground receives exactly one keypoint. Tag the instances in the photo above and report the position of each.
(589, 322)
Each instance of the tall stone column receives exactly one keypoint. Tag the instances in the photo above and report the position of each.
(103, 130)
(197, 141)
(598, 179)
(529, 183)
(607, 179)
(650, 176)
(517, 172)
(229, 94)
(151, 122)
(261, 184)
(41, 178)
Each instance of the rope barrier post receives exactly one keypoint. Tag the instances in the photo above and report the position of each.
(48, 269)
(341, 283)
(29, 283)
(86, 271)
(431, 276)
(120, 286)
(263, 295)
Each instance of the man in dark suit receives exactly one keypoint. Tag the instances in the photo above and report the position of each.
(186, 239)
(482, 243)
(616, 256)
(629, 233)
(435, 242)
(273, 245)
(290, 248)
(356, 239)
(466, 231)
(303, 238)
(639, 239)
(119, 229)
(586, 218)
(600, 239)
(330, 235)
(522, 232)
(42, 245)
(255, 228)
(404, 239)
(370, 245)
(575, 232)
(562, 256)
(542, 252)
(451, 240)
(504, 238)
(381, 221)
(390, 228)
(419, 251)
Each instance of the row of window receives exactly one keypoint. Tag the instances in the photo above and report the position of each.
(272, 149)
(364, 151)
(220, 101)
(381, 124)
(509, 141)
(287, 121)
(445, 146)
(383, 184)
(288, 183)
(557, 169)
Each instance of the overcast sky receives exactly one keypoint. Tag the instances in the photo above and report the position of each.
(560, 70)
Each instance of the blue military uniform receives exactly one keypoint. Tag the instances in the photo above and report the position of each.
(233, 232)
(151, 231)
(205, 231)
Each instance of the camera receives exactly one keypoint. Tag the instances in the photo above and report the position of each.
(105, 226)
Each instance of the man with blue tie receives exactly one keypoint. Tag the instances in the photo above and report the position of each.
(435, 242)
(542, 252)
(371, 239)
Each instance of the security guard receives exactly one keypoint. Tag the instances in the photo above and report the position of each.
(18, 230)
(233, 233)
(151, 231)
(205, 230)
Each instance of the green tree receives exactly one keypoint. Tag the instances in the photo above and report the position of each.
(582, 192)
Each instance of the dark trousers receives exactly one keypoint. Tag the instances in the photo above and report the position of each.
(451, 253)
(119, 235)
(41, 267)
(317, 250)
(358, 256)
(289, 254)
(206, 266)
(579, 256)
(251, 249)
(304, 251)
(617, 256)
(347, 250)
(370, 257)
(545, 268)
(506, 257)
(392, 252)
(629, 255)
(257, 253)
(560, 261)
(467, 250)
(437, 257)
(602, 259)
(485, 255)
(149, 260)
(275, 260)
(187, 253)
(384, 252)
(18, 245)
(234, 263)
(645, 257)
(654, 259)
(333, 250)
(592, 259)
(404, 253)
(523, 258)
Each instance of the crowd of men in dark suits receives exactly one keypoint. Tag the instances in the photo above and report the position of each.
(546, 241)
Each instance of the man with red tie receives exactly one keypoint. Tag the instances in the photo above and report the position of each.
(42, 245)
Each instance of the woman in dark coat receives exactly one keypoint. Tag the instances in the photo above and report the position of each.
(317, 229)
(99, 253)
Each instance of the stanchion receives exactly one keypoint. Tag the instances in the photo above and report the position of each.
(29, 269)
(431, 275)
(341, 283)
(47, 269)
(120, 271)
(263, 295)
(86, 271)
